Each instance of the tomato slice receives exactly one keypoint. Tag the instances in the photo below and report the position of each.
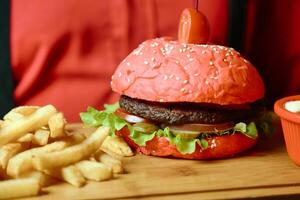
(129, 117)
(204, 128)
(193, 27)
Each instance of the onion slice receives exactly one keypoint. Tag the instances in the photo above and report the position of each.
(129, 117)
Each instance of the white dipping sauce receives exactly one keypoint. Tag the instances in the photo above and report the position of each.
(293, 106)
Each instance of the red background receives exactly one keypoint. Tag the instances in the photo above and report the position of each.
(64, 52)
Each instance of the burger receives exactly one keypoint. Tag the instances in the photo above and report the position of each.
(191, 101)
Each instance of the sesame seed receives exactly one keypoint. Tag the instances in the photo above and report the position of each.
(196, 74)
(203, 51)
(185, 81)
(111, 82)
(128, 79)
(161, 100)
(188, 55)
(185, 22)
(128, 63)
(146, 62)
(152, 59)
(112, 77)
(176, 61)
(171, 76)
(191, 59)
(184, 45)
(180, 50)
(211, 63)
(229, 53)
(185, 67)
(224, 60)
(177, 78)
(206, 82)
(165, 77)
(155, 44)
(246, 61)
(154, 51)
(140, 53)
(120, 74)
(182, 90)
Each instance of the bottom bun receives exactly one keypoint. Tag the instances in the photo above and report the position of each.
(218, 146)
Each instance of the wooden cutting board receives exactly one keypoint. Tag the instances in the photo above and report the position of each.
(265, 171)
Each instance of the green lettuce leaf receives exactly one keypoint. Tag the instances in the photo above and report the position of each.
(247, 129)
(241, 127)
(141, 138)
(251, 130)
(185, 146)
(203, 143)
(106, 117)
(111, 108)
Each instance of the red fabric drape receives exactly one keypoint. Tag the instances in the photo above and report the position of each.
(64, 52)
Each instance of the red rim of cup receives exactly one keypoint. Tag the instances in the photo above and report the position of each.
(281, 111)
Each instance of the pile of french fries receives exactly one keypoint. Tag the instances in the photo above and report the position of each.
(36, 148)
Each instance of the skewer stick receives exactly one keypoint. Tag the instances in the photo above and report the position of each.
(196, 5)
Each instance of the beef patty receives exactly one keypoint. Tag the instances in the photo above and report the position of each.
(184, 112)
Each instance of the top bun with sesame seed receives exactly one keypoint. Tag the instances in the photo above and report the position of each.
(186, 100)
(168, 71)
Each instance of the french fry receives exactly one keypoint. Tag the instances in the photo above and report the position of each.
(74, 139)
(15, 188)
(43, 179)
(56, 125)
(26, 138)
(2, 123)
(116, 145)
(18, 128)
(12, 116)
(8, 151)
(22, 162)
(112, 154)
(94, 170)
(3, 174)
(71, 154)
(25, 110)
(70, 174)
(114, 163)
(41, 137)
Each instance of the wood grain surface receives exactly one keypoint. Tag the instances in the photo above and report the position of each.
(263, 172)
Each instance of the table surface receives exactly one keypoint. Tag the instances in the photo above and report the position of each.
(264, 171)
